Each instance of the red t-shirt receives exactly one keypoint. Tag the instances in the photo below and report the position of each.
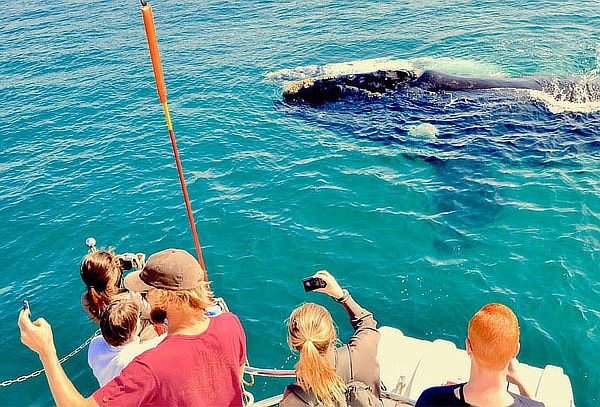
(184, 371)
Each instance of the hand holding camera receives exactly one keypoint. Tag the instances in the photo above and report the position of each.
(313, 283)
(132, 260)
(322, 281)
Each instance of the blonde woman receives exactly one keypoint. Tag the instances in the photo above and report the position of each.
(321, 372)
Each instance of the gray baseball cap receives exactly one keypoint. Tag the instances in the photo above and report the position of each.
(171, 269)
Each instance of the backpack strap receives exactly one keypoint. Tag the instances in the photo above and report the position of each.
(343, 363)
(304, 396)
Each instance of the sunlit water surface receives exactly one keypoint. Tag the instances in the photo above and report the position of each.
(426, 206)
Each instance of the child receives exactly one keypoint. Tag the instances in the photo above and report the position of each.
(120, 342)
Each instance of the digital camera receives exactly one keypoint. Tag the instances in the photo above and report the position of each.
(129, 261)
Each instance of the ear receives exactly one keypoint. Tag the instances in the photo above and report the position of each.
(468, 346)
(517, 349)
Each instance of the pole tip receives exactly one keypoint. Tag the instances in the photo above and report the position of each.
(91, 243)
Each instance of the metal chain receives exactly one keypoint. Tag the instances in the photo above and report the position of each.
(39, 372)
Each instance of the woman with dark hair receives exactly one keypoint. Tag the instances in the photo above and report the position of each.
(101, 272)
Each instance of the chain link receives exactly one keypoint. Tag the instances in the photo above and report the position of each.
(39, 372)
(19, 379)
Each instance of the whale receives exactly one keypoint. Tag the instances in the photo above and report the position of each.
(373, 84)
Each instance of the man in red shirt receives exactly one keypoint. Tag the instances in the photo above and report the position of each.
(198, 364)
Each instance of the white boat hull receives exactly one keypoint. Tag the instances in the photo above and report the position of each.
(408, 366)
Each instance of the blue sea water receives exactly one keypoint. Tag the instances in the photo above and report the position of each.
(426, 206)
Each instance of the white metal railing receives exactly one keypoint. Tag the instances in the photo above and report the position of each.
(271, 401)
(397, 397)
(256, 371)
(274, 400)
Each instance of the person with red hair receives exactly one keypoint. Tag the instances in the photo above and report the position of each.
(492, 344)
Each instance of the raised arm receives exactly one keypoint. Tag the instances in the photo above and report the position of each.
(365, 326)
(38, 337)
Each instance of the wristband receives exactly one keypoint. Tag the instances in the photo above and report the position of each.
(344, 296)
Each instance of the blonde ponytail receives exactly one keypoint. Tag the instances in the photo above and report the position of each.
(311, 332)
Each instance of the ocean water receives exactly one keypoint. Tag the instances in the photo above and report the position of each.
(426, 206)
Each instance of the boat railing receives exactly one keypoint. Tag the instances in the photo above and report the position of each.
(257, 371)
(274, 400)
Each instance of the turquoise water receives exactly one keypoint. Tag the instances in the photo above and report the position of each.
(425, 206)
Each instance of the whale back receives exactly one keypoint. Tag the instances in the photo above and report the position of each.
(329, 88)
(437, 81)
(317, 90)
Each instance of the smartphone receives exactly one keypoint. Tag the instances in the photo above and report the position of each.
(312, 283)
(25, 305)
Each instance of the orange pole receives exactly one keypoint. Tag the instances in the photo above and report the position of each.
(154, 54)
(162, 96)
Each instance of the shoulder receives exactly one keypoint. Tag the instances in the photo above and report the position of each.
(227, 320)
(98, 340)
(521, 401)
(435, 396)
(290, 399)
(228, 325)
(97, 345)
(227, 316)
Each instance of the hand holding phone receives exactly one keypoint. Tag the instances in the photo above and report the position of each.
(332, 287)
(36, 335)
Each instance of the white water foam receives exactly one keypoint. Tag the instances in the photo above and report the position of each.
(555, 104)
(423, 130)
(581, 96)
(447, 65)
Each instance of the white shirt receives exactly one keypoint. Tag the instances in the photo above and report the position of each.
(107, 361)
